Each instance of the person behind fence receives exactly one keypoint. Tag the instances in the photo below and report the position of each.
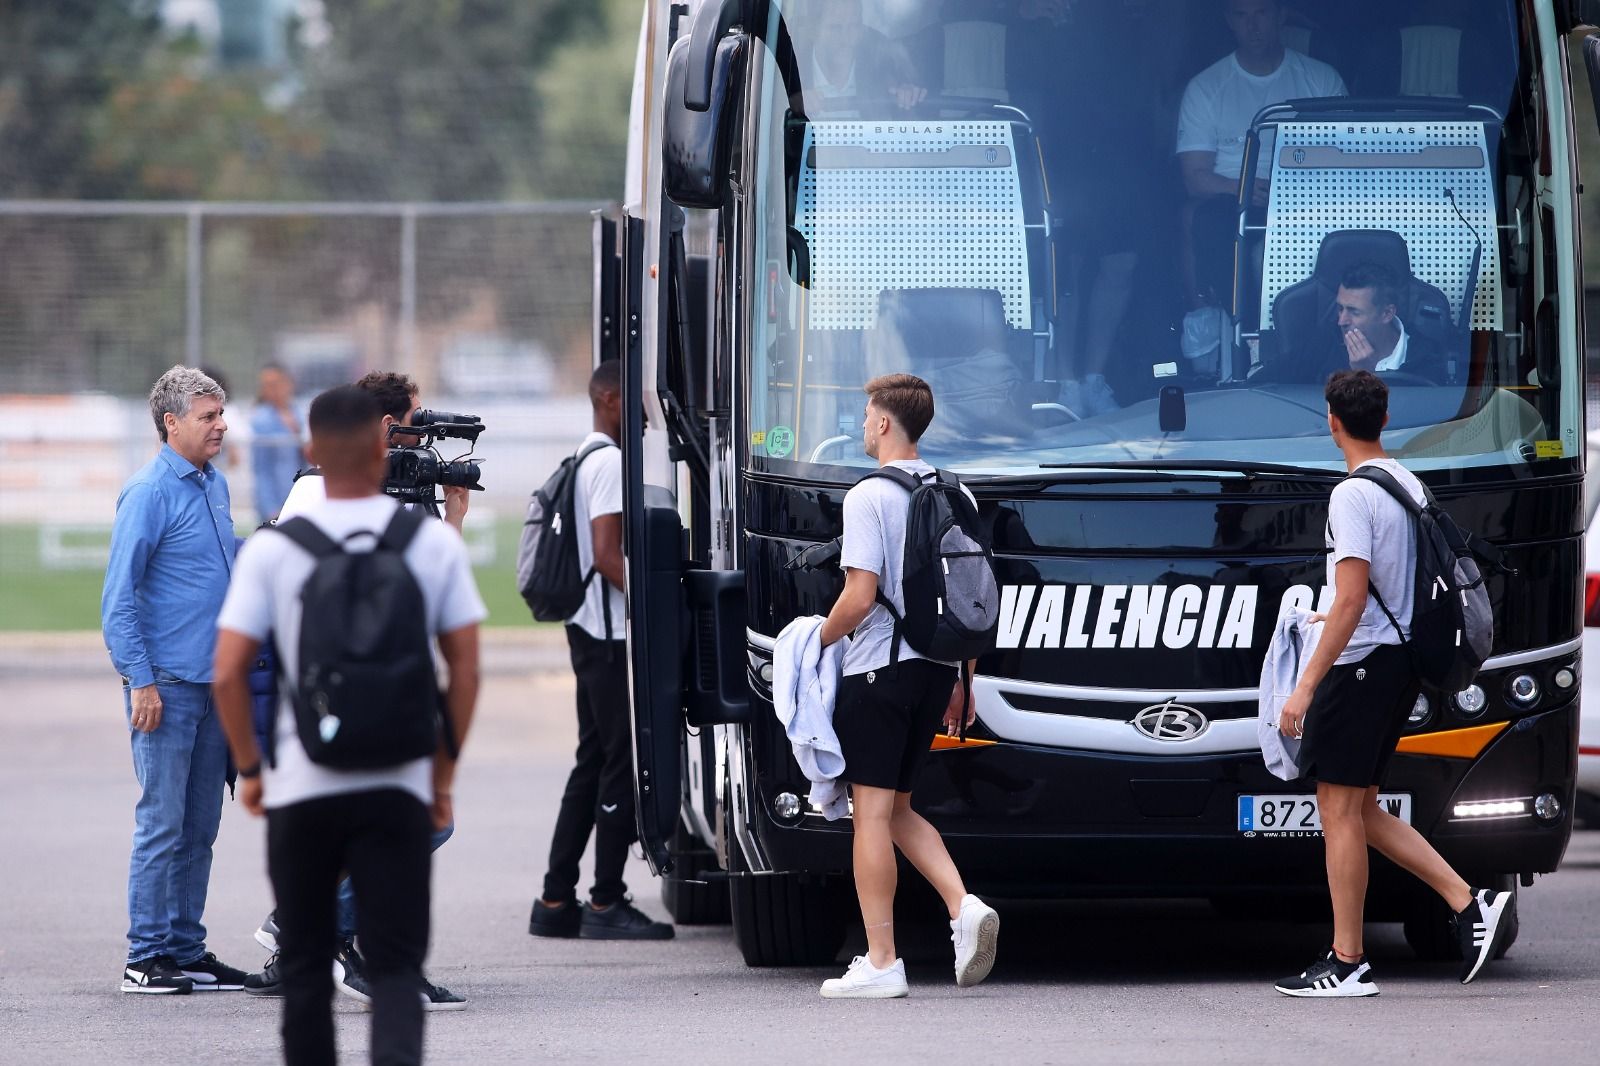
(275, 451)
(172, 547)
(1351, 702)
(889, 706)
(359, 773)
(399, 399)
(599, 794)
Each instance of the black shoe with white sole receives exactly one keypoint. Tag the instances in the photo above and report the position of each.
(350, 974)
(1481, 929)
(159, 976)
(211, 974)
(267, 932)
(1331, 978)
(268, 983)
(438, 997)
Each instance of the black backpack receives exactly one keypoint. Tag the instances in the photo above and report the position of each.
(1452, 625)
(548, 575)
(947, 575)
(365, 695)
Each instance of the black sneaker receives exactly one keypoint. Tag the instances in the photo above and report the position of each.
(350, 974)
(210, 974)
(159, 976)
(267, 933)
(621, 921)
(438, 997)
(268, 983)
(1331, 977)
(1481, 929)
(561, 920)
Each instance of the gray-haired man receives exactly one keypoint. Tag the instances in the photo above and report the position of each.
(172, 549)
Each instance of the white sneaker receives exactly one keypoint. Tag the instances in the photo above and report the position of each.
(865, 981)
(976, 935)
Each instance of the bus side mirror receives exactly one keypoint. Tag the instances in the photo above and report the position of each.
(1591, 55)
(695, 141)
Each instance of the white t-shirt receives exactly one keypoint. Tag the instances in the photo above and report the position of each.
(264, 596)
(1365, 522)
(874, 540)
(1222, 100)
(597, 494)
(307, 491)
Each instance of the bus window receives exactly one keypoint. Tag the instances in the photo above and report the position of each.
(991, 195)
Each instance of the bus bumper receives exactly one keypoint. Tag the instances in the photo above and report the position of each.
(1040, 822)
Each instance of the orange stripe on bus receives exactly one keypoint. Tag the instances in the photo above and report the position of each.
(1453, 744)
(947, 743)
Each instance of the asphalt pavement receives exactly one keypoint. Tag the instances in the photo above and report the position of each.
(1108, 982)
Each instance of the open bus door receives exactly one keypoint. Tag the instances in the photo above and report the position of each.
(652, 544)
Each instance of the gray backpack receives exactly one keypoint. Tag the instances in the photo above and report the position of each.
(1452, 625)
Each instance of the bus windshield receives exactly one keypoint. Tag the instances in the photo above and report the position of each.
(1109, 231)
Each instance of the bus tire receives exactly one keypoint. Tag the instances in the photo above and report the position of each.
(693, 893)
(786, 919)
(1432, 935)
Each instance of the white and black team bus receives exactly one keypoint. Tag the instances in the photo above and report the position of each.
(1128, 365)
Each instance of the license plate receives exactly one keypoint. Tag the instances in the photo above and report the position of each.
(1298, 815)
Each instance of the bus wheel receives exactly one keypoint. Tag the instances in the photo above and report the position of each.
(786, 919)
(694, 893)
(1432, 935)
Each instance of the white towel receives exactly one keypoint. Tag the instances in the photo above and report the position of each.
(805, 678)
(1294, 639)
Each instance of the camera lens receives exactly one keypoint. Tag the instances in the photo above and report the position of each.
(463, 474)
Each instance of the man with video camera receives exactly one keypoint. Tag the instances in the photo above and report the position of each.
(397, 396)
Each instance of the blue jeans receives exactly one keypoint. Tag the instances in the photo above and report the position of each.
(182, 768)
(347, 895)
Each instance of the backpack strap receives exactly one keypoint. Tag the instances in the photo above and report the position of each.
(904, 478)
(304, 532)
(605, 600)
(1386, 481)
(401, 531)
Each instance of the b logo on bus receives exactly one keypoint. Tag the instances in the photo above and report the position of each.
(1171, 721)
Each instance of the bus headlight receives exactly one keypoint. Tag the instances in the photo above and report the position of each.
(1421, 711)
(1523, 690)
(786, 805)
(1565, 678)
(1547, 808)
(1471, 701)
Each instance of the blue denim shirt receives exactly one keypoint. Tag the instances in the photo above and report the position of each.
(274, 460)
(172, 550)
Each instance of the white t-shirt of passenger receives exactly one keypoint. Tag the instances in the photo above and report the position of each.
(1222, 100)
(264, 596)
(1365, 522)
(874, 540)
(598, 493)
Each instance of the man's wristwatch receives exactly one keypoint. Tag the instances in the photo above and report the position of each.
(251, 771)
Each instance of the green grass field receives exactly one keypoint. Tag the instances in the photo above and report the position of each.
(36, 597)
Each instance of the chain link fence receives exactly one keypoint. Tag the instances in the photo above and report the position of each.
(488, 307)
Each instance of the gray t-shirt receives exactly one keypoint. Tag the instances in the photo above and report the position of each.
(1365, 522)
(875, 540)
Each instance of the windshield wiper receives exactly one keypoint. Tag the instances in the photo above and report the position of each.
(1231, 466)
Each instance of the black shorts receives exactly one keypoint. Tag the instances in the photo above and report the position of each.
(886, 719)
(1356, 717)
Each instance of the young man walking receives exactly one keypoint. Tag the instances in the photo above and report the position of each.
(172, 547)
(376, 823)
(886, 716)
(599, 793)
(1352, 699)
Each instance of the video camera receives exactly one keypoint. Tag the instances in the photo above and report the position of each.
(415, 470)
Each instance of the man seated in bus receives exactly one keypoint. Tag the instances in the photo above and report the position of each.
(840, 58)
(1214, 123)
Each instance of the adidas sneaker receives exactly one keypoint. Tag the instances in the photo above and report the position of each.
(1481, 928)
(1331, 978)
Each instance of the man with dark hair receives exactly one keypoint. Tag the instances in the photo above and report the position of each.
(599, 793)
(1352, 699)
(886, 713)
(1371, 334)
(373, 823)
